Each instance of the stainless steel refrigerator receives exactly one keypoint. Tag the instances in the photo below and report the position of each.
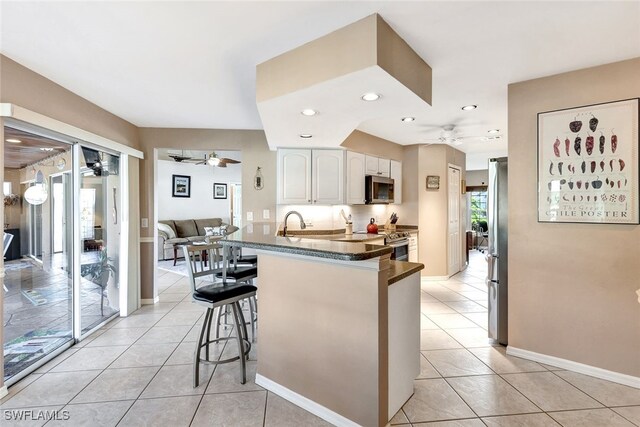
(497, 256)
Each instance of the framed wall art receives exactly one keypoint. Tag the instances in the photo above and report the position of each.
(588, 164)
(433, 182)
(219, 191)
(181, 186)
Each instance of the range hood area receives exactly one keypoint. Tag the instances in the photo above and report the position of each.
(330, 75)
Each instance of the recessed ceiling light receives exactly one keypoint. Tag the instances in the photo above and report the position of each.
(309, 112)
(13, 141)
(305, 135)
(493, 131)
(408, 119)
(469, 107)
(46, 149)
(371, 96)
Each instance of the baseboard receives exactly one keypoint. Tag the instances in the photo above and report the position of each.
(150, 301)
(3, 391)
(570, 365)
(307, 404)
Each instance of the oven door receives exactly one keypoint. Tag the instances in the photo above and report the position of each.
(400, 250)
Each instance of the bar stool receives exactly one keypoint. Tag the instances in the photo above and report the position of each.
(245, 273)
(216, 296)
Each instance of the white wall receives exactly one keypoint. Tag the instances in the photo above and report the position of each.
(201, 204)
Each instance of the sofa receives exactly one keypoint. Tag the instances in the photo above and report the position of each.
(174, 233)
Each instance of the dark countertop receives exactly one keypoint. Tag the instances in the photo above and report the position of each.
(263, 236)
(398, 270)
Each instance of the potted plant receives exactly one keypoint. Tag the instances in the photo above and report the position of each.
(99, 272)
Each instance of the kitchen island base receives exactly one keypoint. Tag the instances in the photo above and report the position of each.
(324, 336)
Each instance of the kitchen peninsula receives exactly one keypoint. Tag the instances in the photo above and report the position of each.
(339, 324)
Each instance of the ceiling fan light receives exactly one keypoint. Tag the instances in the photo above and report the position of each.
(213, 160)
(408, 119)
(308, 112)
(469, 107)
(493, 131)
(306, 135)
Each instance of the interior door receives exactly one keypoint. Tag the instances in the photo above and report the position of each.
(454, 239)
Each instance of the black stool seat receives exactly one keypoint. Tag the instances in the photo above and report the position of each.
(248, 259)
(239, 273)
(216, 292)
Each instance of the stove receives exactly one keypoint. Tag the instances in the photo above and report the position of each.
(396, 236)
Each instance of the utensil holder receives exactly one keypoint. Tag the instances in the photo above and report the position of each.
(348, 229)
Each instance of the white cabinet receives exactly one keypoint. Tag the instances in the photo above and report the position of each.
(377, 166)
(328, 177)
(355, 178)
(294, 177)
(413, 247)
(310, 176)
(396, 175)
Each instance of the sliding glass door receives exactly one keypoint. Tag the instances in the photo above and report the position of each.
(99, 237)
(63, 263)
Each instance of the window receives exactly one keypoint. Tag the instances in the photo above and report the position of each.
(478, 207)
(87, 213)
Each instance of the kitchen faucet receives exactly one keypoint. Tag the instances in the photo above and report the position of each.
(286, 217)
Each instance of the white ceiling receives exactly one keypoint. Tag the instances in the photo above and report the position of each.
(192, 64)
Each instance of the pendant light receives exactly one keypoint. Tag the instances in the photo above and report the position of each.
(37, 193)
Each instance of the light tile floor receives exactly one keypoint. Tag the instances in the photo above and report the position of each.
(137, 371)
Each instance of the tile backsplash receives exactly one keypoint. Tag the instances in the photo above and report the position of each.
(328, 217)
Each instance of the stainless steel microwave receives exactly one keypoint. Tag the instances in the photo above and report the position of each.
(378, 190)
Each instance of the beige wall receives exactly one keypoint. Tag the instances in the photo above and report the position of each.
(351, 48)
(21, 86)
(362, 142)
(429, 208)
(571, 286)
(255, 153)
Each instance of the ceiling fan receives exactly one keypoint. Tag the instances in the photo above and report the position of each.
(221, 162)
(449, 135)
(209, 159)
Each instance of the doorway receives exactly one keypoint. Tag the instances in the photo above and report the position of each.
(236, 205)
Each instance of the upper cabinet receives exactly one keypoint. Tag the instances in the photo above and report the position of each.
(355, 178)
(328, 177)
(377, 166)
(396, 175)
(310, 176)
(294, 177)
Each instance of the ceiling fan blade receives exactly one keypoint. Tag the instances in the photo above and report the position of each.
(229, 161)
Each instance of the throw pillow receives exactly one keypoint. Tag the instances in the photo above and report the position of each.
(212, 231)
(167, 230)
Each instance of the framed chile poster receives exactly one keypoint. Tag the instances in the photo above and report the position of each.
(588, 164)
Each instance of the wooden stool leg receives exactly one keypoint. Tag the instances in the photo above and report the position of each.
(175, 254)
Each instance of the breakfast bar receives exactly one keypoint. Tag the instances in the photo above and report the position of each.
(339, 324)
